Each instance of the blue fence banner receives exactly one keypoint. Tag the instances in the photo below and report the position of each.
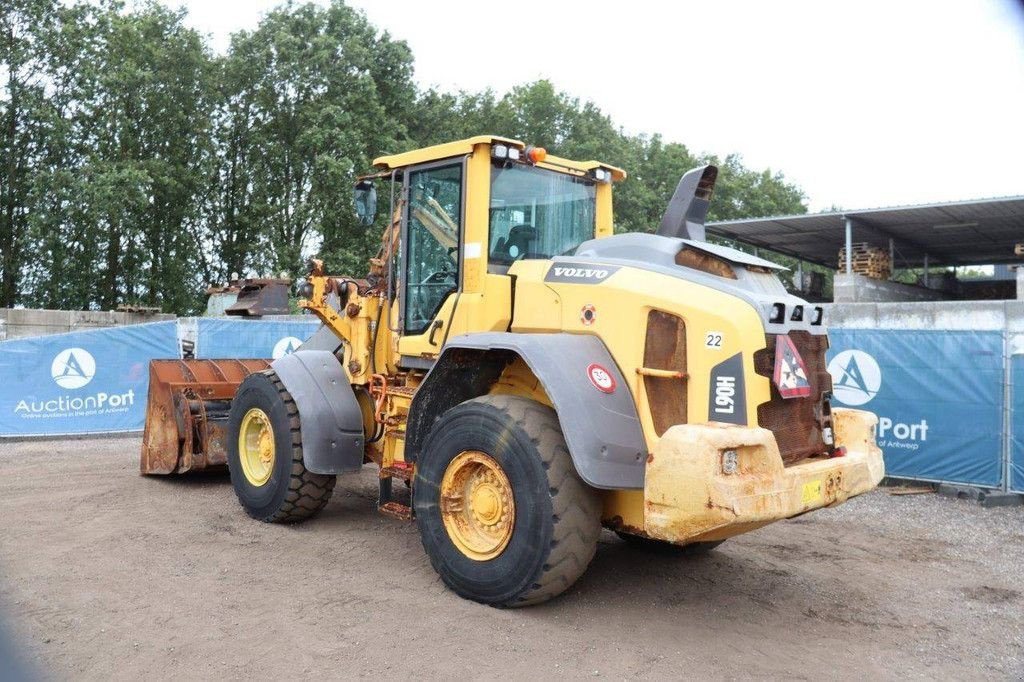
(938, 396)
(226, 338)
(1017, 421)
(82, 382)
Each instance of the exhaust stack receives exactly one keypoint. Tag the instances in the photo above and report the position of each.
(686, 212)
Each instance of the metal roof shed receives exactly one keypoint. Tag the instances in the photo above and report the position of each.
(975, 232)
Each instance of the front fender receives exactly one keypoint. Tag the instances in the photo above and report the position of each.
(330, 420)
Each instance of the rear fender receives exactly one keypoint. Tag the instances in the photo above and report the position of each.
(331, 421)
(600, 426)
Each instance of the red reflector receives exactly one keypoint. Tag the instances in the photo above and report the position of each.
(790, 371)
(840, 451)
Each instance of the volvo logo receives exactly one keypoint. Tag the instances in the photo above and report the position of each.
(582, 273)
(73, 368)
(856, 377)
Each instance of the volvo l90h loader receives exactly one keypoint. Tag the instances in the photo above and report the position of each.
(531, 377)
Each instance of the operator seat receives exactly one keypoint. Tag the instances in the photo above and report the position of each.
(518, 242)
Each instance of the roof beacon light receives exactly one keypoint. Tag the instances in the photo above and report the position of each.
(536, 154)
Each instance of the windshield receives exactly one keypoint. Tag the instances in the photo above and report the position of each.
(537, 213)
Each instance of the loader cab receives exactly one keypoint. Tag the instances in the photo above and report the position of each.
(468, 210)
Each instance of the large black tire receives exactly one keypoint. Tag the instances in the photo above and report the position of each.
(292, 493)
(667, 548)
(557, 516)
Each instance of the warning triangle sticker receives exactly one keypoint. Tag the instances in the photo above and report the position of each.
(790, 370)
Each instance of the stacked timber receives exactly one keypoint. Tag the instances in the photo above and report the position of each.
(867, 260)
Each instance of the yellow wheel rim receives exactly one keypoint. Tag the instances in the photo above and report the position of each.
(256, 447)
(477, 507)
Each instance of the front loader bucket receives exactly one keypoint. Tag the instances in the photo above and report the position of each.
(187, 412)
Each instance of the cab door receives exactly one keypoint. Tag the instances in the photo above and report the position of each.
(430, 265)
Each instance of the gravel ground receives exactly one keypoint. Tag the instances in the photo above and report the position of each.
(105, 574)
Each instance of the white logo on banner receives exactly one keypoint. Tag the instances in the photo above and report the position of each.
(286, 346)
(73, 368)
(856, 377)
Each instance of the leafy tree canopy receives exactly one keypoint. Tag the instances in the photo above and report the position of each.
(138, 166)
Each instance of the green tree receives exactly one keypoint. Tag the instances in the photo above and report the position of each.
(309, 98)
(137, 167)
(539, 114)
(114, 213)
(23, 27)
(64, 245)
(744, 193)
(149, 139)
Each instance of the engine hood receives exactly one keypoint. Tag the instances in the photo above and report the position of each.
(750, 278)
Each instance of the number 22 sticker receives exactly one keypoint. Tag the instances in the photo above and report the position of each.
(713, 340)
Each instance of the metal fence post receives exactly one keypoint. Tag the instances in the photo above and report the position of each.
(849, 246)
(1007, 411)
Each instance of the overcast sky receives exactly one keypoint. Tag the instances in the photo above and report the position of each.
(861, 103)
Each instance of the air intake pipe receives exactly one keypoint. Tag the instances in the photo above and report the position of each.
(686, 212)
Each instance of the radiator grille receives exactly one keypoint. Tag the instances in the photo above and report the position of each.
(796, 422)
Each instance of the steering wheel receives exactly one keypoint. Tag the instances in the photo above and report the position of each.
(439, 277)
(423, 302)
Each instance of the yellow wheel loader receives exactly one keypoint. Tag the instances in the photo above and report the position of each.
(531, 377)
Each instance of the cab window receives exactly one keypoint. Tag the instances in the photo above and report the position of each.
(434, 228)
(538, 213)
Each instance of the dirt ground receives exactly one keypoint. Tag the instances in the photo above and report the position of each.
(105, 574)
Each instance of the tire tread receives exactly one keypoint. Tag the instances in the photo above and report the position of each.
(576, 510)
(308, 493)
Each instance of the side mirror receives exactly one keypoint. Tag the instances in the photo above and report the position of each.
(365, 202)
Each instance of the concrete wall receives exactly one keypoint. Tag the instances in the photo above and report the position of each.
(19, 323)
(854, 288)
(952, 315)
